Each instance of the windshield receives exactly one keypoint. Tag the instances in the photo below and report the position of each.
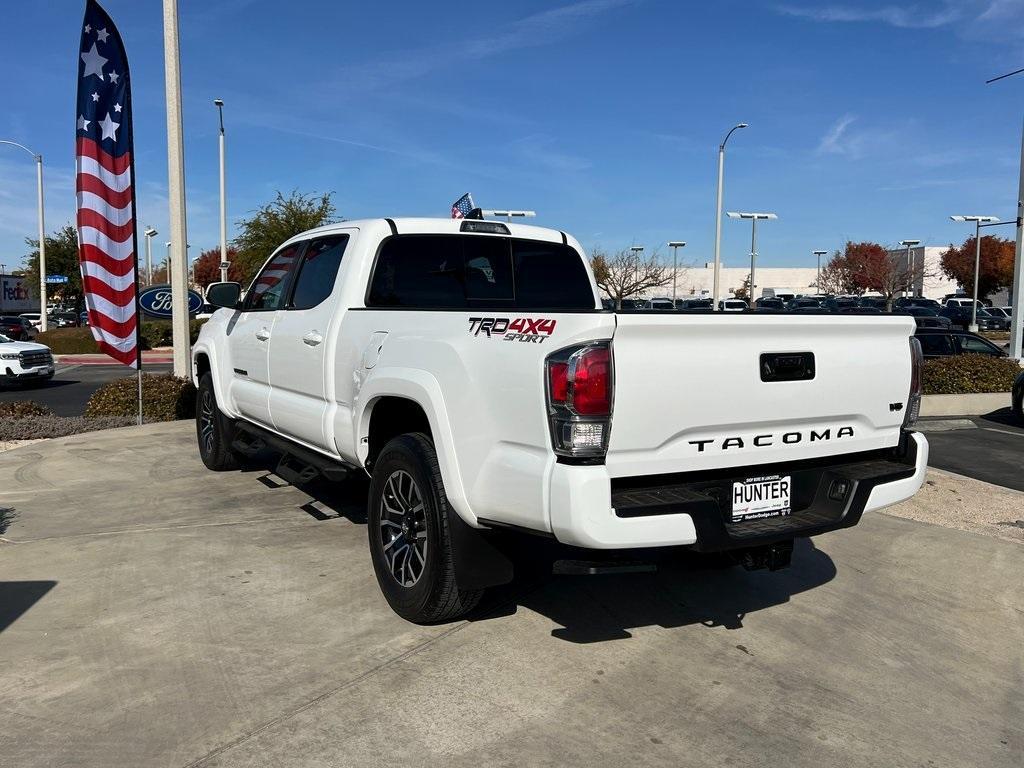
(5, 340)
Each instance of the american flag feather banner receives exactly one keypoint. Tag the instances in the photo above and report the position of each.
(105, 181)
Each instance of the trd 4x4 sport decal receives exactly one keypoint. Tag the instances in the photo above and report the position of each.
(528, 329)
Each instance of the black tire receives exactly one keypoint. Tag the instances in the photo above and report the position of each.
(214, 431)
(411, 549)
(1018, 406)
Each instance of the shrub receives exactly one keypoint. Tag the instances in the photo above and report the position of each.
(68, 341)
(969, 374)
(33, 427)
(20, 409)
(164, 398)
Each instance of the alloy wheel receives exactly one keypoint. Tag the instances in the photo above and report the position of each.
(403, 528)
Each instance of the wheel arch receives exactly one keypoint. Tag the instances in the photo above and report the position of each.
(410, 400)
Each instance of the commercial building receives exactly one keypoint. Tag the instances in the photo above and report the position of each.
(14, 295)
(929, 281)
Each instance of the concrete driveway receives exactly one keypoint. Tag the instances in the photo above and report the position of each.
(175, 617)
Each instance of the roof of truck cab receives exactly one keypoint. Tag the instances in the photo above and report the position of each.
(438, 226)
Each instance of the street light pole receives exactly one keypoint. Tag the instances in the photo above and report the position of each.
(718, 214)
(979, 222)
(223, 199)
(42, 230)
(637, 250)
(675, 245)
(753, 240)
(149, 233)
(817, 280)
(910, 267)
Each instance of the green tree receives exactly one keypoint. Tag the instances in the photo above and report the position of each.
(61, 259)
(275, 222)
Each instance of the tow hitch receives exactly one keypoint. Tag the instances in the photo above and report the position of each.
(774, 557)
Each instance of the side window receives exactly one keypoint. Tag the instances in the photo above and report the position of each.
(318, 271)
(268, 289)
(935, 344)
(419, 271)
(971, 345)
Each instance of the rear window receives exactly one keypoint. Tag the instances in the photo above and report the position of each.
(474, 271)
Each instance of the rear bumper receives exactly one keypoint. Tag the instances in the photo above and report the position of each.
(590, 510)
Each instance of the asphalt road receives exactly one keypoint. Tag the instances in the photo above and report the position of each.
(989, 448)
(67, 393)
(153, 613)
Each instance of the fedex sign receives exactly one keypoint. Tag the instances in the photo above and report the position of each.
(14, 295)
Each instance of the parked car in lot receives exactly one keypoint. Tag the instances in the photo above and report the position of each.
(64, 319)
(769, 302)
(34, 318)
(836, 303)
(803, 302)
(917, 301)
(960, 317)
(17, 328)
(1017, 397)
(1006, 312)
(666, 304)
(963, 301)
(693, 303)
(469, 368)
(925, 317)
(24, 362)
(733, 305)
(939, 343)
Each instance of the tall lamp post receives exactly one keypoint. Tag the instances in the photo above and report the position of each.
(754, 218)
(909, 244)
(42, 230)
(675, 245)
(817, 280)
(223, 199)
(637, 250)
(979, 222)
(718, 213)
(150, 233)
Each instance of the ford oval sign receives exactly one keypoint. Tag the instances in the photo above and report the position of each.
(156, 301)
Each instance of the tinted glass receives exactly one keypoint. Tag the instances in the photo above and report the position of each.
(462, 271)
(936, 344)
(550, 276)
(267, 290)
(319, 269)
(969, 344)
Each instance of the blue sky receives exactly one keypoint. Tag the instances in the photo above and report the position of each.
(868, 120)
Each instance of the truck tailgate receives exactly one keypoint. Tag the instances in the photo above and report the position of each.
(691, 394)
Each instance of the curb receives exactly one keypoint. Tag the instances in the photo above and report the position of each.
(964, 405)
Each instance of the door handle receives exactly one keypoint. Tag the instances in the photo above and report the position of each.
(312, 338)
(262, 334)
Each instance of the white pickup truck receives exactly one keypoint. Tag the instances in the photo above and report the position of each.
(469, 368)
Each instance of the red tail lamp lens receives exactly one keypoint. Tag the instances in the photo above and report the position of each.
(558, 377)
(591, 394)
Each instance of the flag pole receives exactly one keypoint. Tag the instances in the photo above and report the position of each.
(135, 225)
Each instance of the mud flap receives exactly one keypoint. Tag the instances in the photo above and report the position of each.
(478, 562)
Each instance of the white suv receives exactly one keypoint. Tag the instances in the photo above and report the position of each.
(24, 361)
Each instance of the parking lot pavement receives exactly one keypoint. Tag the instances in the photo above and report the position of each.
(67, 393)
(184, 618)
(989, 448)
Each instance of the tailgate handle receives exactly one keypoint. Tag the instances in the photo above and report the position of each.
(787, 366)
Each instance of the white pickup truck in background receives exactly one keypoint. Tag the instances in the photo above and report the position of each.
(469, 368)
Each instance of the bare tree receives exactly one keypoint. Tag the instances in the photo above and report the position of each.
(626, 274)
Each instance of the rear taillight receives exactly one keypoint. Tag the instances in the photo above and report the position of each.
(916, 373)
(579, 395)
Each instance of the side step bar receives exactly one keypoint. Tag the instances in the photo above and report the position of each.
(297, 464)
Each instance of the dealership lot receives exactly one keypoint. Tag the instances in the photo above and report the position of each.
(200, 619)
(989, 448)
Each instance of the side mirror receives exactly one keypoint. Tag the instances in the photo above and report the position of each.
(224, 295)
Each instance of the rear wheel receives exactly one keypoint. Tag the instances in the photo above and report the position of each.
(213, 430)
(410, 544)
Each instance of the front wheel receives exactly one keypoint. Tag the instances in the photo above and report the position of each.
(213, 430)
(410, 544)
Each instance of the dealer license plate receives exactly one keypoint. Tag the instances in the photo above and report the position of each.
(760, 497)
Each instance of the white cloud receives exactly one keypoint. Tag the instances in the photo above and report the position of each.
(835, 140)
(907, 17)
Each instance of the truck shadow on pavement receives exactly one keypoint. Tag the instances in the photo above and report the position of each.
(16, 597)
(688, 588)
